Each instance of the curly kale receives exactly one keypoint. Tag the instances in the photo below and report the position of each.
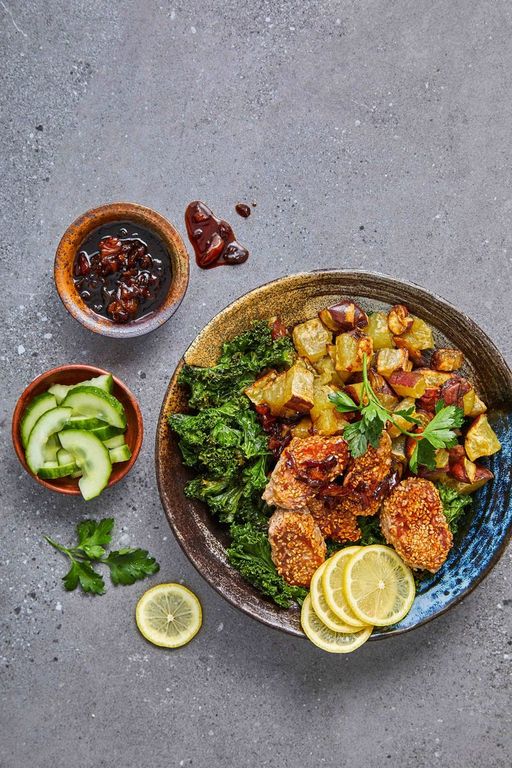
(455, 505)
(240, 362)
(249, 553)
(225, 443)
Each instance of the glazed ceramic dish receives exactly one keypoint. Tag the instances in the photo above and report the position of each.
(296, 298)
(73, 374)
(71, 242)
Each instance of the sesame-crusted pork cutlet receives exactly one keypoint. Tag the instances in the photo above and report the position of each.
(334, 520)
(297, 545)
(304, 466)
(365, 485)
(413, 522)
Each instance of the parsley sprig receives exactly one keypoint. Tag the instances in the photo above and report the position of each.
(438, 433)
(126, 565)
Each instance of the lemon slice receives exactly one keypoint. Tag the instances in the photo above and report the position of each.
(169, 615)
(332, 583)
(321, 607)
(379, 586)
(324, 638)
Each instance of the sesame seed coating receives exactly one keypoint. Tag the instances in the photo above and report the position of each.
(297, 545)
(365, 477)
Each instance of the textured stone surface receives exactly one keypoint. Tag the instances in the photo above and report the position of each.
(372, 135)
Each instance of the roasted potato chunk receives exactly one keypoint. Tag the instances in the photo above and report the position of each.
(399, 320)
(327, 420)
(384, 393)
(447, 359)
(419, 335)
(434, 378)
(343, 316)
(478, 407)
(327, 373)
(378, 330)
(401, 423)
(482, 476)
(407, 383)
(355, 391)
(311, 339)
(416, 356)
(350, 348)
(285, 393)
(390, 360)
(481, 439)
(304, 428)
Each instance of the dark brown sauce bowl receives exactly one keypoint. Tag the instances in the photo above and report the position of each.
(72, 374)
(70, 244)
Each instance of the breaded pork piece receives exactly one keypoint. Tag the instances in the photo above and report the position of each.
(413, 522)
(303, 467)
(364, 483)
(334, 521)
(298, 547)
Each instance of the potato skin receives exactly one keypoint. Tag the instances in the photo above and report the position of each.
(399, 319)
(447, 360)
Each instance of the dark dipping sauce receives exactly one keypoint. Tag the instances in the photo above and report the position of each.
(243, 210)
(213, 239)
(122, 271)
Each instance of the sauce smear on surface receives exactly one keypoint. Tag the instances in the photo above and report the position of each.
(243, 210)
(213, 239)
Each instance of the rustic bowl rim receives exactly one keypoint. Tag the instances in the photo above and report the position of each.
(91, 371)
(212, 577)
(76, 233)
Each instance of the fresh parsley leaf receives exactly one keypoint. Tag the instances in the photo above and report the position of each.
(407, 415)
(128, 565)
(425, 454)
(343, 402)
(83, 573)
(355, 436)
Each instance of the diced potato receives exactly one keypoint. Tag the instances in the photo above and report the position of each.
(399, 320)
(429, 399)
(389, 360)
(355, 391)
(481, 439)
(343, 316)
(419, 335)
(398, 448)
(384, 393)
(327, 420)
(311, 339)
(441, 458)
(416, 356)
(303, 429)
(478, 407)
(403, 405)
(464, 470)
(447, 359)
(378, 330)
(256, 392)
(407, 383)
(434, 378)
(285, 393)
(327, 373)
(350, 349)
(468, 401)
(482, 476)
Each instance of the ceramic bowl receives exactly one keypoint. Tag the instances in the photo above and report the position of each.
(70, 244)
(72, 374)
(299, 297)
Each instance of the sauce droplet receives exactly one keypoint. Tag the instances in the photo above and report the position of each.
(214, 241)
(243, 210)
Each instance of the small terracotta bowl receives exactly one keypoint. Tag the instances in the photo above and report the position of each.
(70, 244)
(72, 374)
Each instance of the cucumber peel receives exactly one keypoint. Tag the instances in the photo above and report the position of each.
(105, 382)
(92, 401)
(37, 406)
(121, 453)
(46, 426)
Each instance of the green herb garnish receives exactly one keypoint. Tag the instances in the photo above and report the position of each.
(126, 565)
(438, 433)
(455, 505)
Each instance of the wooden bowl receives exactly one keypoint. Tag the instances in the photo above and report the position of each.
(70, 244)
(73, 374)
(296, 298)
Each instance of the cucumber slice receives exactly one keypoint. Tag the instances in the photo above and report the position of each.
(51, 448)
(104, 382)
(92, 401)
(106, 432)
(51, 470)
(37, 406)
(84, 422)
(64, 457)
(92, 459)
(46, 426)
(114, 442)
(78, 473)
(122, 453)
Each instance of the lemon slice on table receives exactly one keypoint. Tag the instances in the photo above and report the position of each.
(324, 638)
(169, 615)
(321, 607)
(332, 583)
(379, 586)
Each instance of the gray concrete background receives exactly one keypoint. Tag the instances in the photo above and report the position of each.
(331, 116)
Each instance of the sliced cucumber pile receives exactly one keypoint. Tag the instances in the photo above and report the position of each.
(76, 431)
